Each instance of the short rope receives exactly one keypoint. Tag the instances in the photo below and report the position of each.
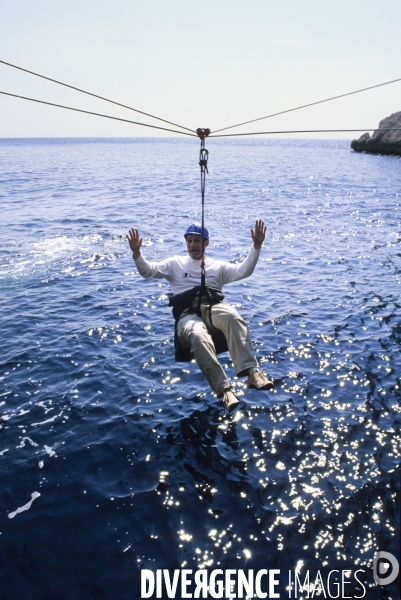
(203, 157)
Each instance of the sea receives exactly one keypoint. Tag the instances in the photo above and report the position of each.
(118, 464)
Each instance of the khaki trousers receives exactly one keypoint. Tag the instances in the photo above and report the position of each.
(194, 333)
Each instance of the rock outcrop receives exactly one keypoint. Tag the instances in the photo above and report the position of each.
(382, 141)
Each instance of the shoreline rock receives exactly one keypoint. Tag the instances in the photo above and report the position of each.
(382, 141)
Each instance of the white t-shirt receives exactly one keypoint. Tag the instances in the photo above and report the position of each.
(183, 272)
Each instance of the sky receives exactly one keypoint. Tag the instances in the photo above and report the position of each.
(212, 63)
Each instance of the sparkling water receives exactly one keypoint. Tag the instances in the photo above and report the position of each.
(114, 458)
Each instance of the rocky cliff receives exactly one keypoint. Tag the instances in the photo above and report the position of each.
(382, 141)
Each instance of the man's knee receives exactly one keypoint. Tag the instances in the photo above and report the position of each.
(227, 316)
(194, 335)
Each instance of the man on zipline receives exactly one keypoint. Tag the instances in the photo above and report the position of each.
(201, 317)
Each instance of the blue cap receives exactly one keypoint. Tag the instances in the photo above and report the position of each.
(196, 229)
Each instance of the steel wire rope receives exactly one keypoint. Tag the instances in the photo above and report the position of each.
(94, 95)
(217, 131)
(212, 135)
(306, 105)
(88, 112)
(305, 131)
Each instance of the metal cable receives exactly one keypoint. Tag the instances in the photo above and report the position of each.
(304, 131)
(88, 112)
(306, 105)
(94, 95)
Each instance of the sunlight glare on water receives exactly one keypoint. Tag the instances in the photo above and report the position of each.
(126, 456)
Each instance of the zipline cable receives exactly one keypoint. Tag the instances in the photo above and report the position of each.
(186, 128)
(310, 104)
(88, 112)
(93, 95)
(304, 131)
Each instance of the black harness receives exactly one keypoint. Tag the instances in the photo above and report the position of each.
(195, 297)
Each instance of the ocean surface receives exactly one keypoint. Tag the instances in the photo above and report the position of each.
(113, 457)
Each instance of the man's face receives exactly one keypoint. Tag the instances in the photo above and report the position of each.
(194, 246)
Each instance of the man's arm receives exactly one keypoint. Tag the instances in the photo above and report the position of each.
(135, 242)
(148, 270)
(258, 234)
(235, 272)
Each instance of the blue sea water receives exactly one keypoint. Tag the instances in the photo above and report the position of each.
(113, 457)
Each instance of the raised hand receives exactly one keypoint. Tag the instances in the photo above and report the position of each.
(258, 234)
(135, 242)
